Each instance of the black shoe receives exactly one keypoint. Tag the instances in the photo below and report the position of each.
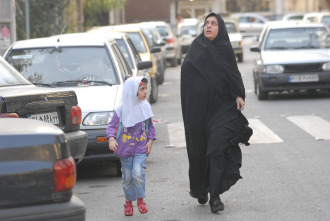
(216, 206)
(203, 200)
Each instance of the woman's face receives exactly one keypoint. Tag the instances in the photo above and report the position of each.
(211, 28)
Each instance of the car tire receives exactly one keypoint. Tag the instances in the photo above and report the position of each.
(118, 167)
(261, 94)
(240, 57)
(161, 76)
(173, 62)
(154, 90)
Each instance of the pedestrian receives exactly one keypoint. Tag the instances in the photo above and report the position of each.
(212, 98)
(133, 141)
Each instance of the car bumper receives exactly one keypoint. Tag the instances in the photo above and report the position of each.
(77, 142)
(98, 150)
(281, 82)
(74, 210)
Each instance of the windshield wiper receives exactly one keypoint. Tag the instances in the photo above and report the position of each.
(278, 48)
(77, 82)
(43, 84)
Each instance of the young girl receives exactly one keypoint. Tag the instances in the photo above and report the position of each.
(133, 144)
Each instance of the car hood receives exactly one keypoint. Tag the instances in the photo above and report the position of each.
(97, 98)
(296, 56)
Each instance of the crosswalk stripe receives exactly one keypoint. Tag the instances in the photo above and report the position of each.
(314, 125)
(262, 134)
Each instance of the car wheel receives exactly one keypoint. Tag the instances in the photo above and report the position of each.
(240, 57)
(174, 62)
(118, 165)
(154, 90)
(161, 76)
(262, 95)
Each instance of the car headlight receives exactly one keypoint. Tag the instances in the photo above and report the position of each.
(97, 118)
(326, 67)
(271, 69)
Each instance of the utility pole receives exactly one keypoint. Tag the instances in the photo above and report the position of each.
(27, 19)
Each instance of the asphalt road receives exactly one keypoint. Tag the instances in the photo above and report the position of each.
(285, 169)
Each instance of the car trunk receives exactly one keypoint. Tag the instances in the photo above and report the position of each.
(26, 165)
(39, 104)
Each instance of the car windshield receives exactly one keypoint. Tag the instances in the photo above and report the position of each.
(297, 38)
(188, 30)
(231, 28)
(149, 37)
(125, 51)
(53, 66)
(9, 76)
(137, 41)
(326, 20)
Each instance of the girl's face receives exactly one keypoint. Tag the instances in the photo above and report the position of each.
(142, 92)
(211, 28)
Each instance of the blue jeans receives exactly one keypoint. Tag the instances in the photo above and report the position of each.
(133, 178)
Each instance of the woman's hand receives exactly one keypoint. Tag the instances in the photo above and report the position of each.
(240, 103)
(113, 145)
(148, 146)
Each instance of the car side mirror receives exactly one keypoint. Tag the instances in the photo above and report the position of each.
(144, 65)
(255, 49)
(155, 50)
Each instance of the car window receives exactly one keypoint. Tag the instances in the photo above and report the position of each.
(49, 65)
(137, 41)
(135, 52)
(163, 30)
(231, 28)
(148, 36)
(326, 20)
(297, 38)
(9, 76)
(125, 51)
(123, 66)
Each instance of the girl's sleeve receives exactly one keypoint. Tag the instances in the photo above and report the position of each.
(151, 130)
(111, 129)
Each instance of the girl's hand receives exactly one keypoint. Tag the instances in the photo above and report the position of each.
(148, 146)
(113, 145)
(240, 103)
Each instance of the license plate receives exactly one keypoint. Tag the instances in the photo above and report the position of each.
(304, 78)
(46, 117)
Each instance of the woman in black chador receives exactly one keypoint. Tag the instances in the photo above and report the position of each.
(212, 98)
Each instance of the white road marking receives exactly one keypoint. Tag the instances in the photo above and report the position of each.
(314, 125)
(262, 134)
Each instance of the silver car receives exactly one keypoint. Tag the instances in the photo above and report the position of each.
(292, 56)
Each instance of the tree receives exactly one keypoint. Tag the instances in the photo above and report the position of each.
(48, 17)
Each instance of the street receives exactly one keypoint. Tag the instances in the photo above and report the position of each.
(285, 172)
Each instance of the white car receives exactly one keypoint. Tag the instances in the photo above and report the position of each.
(318, 17)
(292, 57)
(90, 64)
(250, 24)
(187, 31)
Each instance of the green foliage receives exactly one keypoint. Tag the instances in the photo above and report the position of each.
(45, 17)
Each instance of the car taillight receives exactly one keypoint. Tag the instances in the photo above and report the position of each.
(9, 115)
(75, 115)
(64, 175)
(170, 40)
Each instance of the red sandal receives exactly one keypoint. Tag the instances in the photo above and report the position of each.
(142, 206)
(128, 208)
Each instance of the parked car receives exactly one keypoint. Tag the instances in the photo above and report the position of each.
(186, 31)
(20, 98)
(292, 56)
(37, 173)
(318, 17)
(173, 49)
(250, 24)
(155, 40)
(90, 64)
(146, 53)
(138, 67)
(293, 16)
